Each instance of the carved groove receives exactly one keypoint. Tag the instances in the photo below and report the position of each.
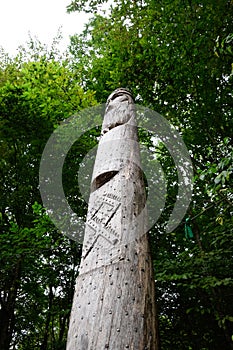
(115, 289)
(103, 179)
(110, 127)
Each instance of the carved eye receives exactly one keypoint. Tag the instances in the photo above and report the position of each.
(105, 130)
(118, 124)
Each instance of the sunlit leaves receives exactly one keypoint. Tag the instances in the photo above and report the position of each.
(176, 57)
(38, 265)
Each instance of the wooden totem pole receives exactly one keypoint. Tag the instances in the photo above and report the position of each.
(114, 300)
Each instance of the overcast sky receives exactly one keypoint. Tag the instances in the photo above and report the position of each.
(42, 18)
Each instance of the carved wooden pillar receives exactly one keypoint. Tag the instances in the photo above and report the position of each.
(114, 300)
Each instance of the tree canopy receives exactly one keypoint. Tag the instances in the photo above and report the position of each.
(38, 265)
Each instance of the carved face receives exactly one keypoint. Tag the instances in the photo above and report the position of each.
(118, 109)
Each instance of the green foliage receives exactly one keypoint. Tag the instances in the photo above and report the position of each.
(38, 265)
(176, 58)
(88, 6)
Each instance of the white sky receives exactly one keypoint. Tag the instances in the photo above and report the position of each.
(42, 18)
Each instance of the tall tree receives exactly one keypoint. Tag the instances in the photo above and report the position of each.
(177, 59)
(38, 265)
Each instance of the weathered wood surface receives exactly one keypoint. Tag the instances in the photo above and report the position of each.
(114, 300)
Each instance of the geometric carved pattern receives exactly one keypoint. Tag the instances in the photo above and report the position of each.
(99, 222)
(113, 304)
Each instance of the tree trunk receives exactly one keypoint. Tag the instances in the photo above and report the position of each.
(7, 309)
(114, 300)
(44, 344)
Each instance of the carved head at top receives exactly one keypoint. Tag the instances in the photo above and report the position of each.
(119, 93)
(119, 109)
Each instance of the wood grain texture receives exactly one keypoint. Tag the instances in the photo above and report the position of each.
(114, 300)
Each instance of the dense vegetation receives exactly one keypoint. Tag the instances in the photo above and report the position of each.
(176, 58)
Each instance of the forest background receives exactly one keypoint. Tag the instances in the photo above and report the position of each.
(177, 59)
